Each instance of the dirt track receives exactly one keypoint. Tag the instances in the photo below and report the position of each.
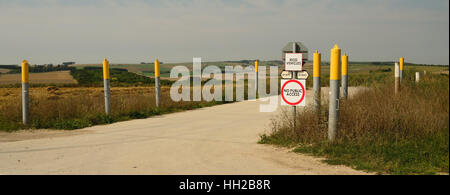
(215, 140)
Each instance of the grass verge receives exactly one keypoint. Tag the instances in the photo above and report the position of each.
(379, 131)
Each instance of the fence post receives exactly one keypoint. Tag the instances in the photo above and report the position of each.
(106, 83)
(417, 77)
(316, 81)
(333, 115)
(157, 84)
(344, 76)
(25, 93)
(397, 77)
(402, 66)
(256, 77)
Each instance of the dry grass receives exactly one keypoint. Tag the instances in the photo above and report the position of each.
(58, 77)
(73, 108)
(379, 131)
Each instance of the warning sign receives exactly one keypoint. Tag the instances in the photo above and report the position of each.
(293, 62)
(293, 92)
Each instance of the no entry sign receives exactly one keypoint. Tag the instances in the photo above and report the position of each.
(293, 92)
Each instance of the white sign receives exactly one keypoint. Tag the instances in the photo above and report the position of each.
(293, 62)
(293, 92)
(303, 75)
(286, 75)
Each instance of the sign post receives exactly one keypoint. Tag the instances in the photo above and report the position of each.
(293, 87)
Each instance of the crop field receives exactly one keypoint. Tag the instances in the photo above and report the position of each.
(2, 70)
(57, 77)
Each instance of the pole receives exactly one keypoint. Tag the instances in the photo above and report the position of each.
(316, 81)
(157, 84)
(294, 76)
(256, 76)
(397, 77)
(333, 116)
(417, 77)
(25, 93)
(106, 83)
(402, 66)
(344, 76)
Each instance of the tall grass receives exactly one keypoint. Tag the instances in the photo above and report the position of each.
(84, 109)
(380, 131)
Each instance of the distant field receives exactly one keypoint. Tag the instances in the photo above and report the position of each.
(2, 70)
(60, 77)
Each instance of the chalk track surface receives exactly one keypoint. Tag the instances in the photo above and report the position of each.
(214, 140)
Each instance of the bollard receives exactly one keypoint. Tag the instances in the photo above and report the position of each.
(106, 83)
(402, 65)
(344, 76)
(316, 81)
(25, 93)
(256, 76)
(157, 84)
(333, 115)
(417, 77)
(397, 77)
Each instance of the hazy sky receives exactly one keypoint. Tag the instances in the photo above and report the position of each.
(131, 31)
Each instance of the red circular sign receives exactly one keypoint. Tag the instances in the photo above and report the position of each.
(303, 94)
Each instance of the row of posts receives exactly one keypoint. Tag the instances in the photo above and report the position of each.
(338, 82)
(106, 85)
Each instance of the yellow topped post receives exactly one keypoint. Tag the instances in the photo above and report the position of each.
(402, 63)
(25, 73)
(256, 75)
(344, 65)
(316, 64)
(402, 66)
(157, 72)
(333, 114)
(106, 85)
(316, 80)
(105, 69)
(344, 76)
(157, 84)
(335, 60)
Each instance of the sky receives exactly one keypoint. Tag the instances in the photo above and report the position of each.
(134, 31)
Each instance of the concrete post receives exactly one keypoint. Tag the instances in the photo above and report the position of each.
(157, 84)
(316, 81)
(333, 116)
(106, 85)
(344, 76)
(402, 66)
(25, 93)
(397, 77)
(417, 77)
(256, 77)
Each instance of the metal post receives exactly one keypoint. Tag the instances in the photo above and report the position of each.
(344, 76)
(333, 116)
(417, 77)
(106, 80)
(402, 65)
(25, 93)
(294, 76)
(316, 81)
(256, 77)
(397, 77)
(157, 84)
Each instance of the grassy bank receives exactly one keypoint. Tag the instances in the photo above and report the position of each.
(75, 108)
(379, 131)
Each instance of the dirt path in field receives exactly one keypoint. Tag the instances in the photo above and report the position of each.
(215, 140)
